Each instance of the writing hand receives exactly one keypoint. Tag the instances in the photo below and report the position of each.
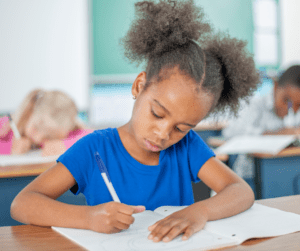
(186, 221)
(112, 217)
(20, 146)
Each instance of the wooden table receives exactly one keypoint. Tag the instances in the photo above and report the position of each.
(28, 237)
(24, 170)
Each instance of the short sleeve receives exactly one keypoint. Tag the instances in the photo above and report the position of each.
(198, 153)
(78, 160)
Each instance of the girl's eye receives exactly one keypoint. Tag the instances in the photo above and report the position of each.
(179, 129)
(155, 115)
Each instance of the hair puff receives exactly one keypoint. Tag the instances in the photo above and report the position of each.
(161, 27)
(237, 68)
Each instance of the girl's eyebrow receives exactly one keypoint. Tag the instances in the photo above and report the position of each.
(166, 110)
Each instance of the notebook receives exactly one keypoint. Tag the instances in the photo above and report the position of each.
(32, 157)
(258, 221)
(271, 144)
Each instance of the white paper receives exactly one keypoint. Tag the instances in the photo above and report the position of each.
(33, 157)
(136, 238)
(258, 221)
(272, 144)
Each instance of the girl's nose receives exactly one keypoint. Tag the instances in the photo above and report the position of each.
(163, 131)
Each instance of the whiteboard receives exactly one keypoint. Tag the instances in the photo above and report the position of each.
(43, 44)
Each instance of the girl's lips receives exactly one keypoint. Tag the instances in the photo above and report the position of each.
(151, 146)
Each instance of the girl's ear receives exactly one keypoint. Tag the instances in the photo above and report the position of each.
(138, 84)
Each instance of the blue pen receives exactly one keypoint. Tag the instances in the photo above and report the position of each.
(105, 176)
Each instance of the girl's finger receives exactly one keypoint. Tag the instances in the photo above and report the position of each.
(126, 219)
(150, 228)
(120, 225)
(161, 230)
(188, 233)
(175, 231)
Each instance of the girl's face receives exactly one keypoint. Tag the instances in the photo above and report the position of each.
(284, 95)
(41, 129)
(165, 112)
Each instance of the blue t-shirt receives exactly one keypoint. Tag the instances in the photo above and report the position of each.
(168, 183)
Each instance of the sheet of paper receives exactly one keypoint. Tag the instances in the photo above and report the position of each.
(258, 221)
(135, 238)
(272, 144)
(33, 157)
(167, 210)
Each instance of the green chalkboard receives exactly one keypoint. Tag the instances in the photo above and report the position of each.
(111, 20)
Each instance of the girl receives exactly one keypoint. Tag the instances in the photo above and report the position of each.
(153, 158)
(45, 119)
(275, 113)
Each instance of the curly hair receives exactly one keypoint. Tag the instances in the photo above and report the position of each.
(175, 33)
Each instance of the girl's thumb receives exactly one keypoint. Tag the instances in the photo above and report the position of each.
(138, 209)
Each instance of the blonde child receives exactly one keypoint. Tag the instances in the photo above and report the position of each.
(45, 119)
(153, 159)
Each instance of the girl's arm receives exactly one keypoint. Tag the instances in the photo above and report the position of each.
(233, 196)
(36, 204)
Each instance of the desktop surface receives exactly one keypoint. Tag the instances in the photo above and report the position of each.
(28, 237)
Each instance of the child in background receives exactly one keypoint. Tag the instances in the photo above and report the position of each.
(153, 158)
(275, 113)
(270, 114)
(45, 119)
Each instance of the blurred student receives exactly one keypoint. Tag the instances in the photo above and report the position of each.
(46, 120)
(275, 113)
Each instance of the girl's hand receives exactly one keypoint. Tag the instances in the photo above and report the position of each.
(53, 147)
(112, 217)
(187, 221)
(20, 146)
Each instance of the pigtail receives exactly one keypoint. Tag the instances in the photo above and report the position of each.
(229, 63)
(26, 109)
(163, 27)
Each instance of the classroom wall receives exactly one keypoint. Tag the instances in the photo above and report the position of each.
(111, 20)
(43, 44)
(290, 32)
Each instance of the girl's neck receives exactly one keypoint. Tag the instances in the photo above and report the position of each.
(142, 156)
